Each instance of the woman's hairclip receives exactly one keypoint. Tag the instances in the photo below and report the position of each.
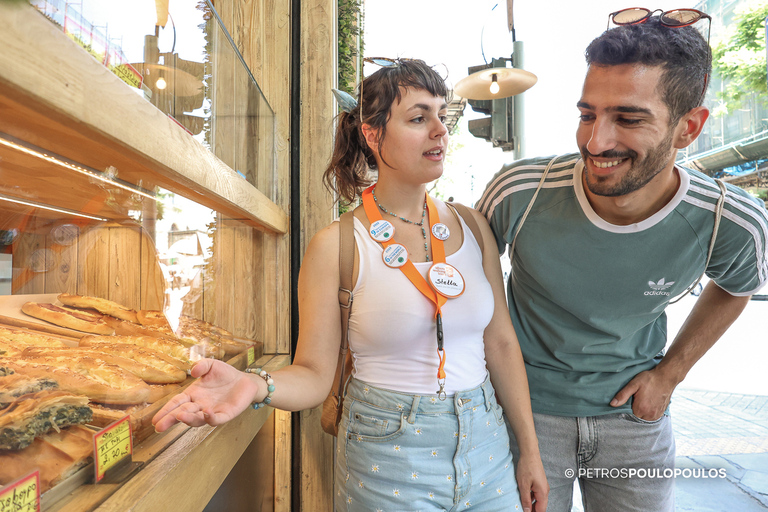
(346, 101)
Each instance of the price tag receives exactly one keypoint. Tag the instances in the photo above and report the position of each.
(251, 356)
(112, 445)
(23, 495)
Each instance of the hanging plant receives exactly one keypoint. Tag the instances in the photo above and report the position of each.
(350, 43)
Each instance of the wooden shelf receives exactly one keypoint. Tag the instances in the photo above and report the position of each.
(54, 95)
(172, 461)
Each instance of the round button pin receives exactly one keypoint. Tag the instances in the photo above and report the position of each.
(446, 280)
(441, 231)
(395, 256)
(382, 230)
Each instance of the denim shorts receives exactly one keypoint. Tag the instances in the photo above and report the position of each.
(401, 452)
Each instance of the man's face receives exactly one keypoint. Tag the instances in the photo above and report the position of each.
(624, 133)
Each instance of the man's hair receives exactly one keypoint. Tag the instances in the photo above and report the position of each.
(681, 52)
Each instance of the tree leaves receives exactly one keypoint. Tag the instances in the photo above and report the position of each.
(740, 59)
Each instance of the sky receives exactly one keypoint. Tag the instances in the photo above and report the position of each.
(463, 33)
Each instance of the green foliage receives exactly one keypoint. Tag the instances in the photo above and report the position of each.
(740, 58)
(350, 46)
(760, 193)
(350, 21)
(207, 28)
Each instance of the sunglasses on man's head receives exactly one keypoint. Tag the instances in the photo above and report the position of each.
(676, 18)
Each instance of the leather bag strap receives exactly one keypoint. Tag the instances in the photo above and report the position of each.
(346, 263)
(470, 221)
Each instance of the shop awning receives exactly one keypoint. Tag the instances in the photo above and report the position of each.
(739, 152)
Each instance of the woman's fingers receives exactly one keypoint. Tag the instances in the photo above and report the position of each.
(172, 404)
(202, 367)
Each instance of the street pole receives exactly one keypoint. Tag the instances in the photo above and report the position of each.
(518, 105)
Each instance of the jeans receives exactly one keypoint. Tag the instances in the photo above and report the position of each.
(401, 452)
(622, 463)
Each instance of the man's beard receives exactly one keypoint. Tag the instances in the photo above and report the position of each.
(640, 172)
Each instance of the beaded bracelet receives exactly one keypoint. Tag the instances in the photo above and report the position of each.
(270, 387)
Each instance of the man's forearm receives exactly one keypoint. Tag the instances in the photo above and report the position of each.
(713, 314)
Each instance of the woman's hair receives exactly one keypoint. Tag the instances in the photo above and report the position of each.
(347, 173)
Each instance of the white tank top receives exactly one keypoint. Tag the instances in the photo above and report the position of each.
(392, 332)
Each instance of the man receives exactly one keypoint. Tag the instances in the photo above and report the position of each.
(613, 235)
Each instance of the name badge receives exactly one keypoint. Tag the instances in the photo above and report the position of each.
(441, 231)
(446, 280)
(395, 255)
(382, 230)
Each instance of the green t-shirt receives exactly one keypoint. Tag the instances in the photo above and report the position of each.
(587, 298)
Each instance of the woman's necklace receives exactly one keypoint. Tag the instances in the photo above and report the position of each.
(420, 223)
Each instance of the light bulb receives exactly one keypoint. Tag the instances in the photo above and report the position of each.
(160, 84)
(494, 84)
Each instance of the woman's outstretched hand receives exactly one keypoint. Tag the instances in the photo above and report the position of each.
(219, 394)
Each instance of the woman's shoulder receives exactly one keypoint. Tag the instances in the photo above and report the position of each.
(327, 239)
(460, 209)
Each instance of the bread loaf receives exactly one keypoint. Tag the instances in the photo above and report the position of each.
(68, 317)
(104, 306)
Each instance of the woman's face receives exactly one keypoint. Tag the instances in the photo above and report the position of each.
(416, 137)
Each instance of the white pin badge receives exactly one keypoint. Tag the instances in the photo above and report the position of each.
(446, 280)
(382, 230)
(441, 231)
(395, 255)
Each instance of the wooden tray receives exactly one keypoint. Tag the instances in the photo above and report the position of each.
(11, 314)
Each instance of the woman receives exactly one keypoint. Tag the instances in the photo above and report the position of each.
(421, 428)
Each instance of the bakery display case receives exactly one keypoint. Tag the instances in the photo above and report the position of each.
(138, 234)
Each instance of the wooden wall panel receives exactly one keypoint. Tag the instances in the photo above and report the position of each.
(266, 48)
(93, 256)
(254, 328)
(228, 284)
(223, 98)
(62, 240)
(29, 258)
(275, 298)
(282, 461)
(261, 30)
(243, 287)
(212, 278)
(124, 264)
(152, 293)
(111, 261)
(319, 65)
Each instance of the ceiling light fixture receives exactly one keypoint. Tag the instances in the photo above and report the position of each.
(7, 141)
(33, 204)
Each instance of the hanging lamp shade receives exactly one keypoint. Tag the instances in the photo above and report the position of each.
(511, 81)
(162, 12)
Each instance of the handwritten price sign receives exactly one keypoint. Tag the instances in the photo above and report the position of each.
(112, 445)
(22, 495)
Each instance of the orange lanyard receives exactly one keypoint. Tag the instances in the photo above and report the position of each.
(415, 277)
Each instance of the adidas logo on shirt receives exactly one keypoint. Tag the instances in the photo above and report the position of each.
(659, 288)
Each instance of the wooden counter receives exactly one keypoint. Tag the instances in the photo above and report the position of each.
(183, 467)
